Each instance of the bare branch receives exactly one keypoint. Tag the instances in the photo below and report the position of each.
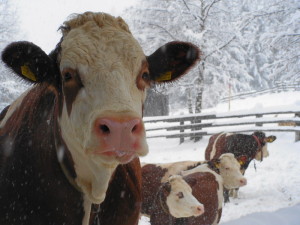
(165, 30)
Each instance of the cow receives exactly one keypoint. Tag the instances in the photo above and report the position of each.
(244, 147)
(72, 140)
(173, 199)
(225, 170)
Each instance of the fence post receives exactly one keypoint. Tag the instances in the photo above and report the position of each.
(181, 131)
(297, 133)
(258, 124)
(197, 120)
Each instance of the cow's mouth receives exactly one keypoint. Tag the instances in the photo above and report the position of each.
(121, 156)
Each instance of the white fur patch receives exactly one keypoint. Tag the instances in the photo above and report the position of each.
(230, 171)
(87, 211)
(175, 168)
(214, 149)
(181, 202)
(264, 151)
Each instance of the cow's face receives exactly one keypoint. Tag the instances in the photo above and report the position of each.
(180, 201)
(104, 75)
(230, 171)
(263, 152)
(101, 75)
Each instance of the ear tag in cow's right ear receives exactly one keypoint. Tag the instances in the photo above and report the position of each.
(27, 73)
(165, 76)
(242, 160)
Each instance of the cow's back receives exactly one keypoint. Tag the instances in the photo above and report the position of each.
(242, 144)
(216, 146)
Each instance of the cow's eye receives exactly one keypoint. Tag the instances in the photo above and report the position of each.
(67, 76)
(180, 195)
(143, 80)
(146, 76)
(227, 168)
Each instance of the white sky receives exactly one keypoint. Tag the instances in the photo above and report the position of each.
(40, 19)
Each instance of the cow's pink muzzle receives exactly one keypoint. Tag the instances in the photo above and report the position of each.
(119, 138)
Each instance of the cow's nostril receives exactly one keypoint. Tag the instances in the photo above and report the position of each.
(134, 128)
(104, 129)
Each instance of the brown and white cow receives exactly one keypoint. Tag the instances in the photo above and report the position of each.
(72, 139)
(173, 199)
(226, 171)
(244, 147)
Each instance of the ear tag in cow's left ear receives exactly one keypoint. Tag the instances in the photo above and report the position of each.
(27, 73)
(164, 77)
(217, 165)
(270, 139)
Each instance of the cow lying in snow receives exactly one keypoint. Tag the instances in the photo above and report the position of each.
(71, 141)
(223, 171)
(244, 147)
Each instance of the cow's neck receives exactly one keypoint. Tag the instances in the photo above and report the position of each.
(212, 165)
(37, 176)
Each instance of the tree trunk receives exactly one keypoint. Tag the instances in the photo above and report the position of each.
(198, 104)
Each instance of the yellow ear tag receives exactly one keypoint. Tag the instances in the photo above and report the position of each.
(241, 162)
(165, 76)
(27, 73)
(217, 164)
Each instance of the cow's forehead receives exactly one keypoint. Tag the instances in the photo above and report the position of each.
(178, 183)
(101, 47)
(95, 41)
(229, 160)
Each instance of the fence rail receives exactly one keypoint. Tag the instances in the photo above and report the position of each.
(197, 125)
(275, 89)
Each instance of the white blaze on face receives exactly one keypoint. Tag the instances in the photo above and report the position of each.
(107, 60)
(230, 171)
(264, 153)
(180, 201)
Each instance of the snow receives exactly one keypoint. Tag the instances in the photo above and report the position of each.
(273, 190)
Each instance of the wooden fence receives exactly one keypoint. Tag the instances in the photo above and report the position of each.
(197, 125)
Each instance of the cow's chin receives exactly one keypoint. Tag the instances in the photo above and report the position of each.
(120, 156)
(116, 156)
(110, 155)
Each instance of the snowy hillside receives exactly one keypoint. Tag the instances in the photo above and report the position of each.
(273, 185)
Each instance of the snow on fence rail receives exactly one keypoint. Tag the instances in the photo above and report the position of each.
(197, 125)
(275, 89)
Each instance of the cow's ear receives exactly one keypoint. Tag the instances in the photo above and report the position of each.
(28, 61)
(270, 139)
(215, 162)
(191, 181)
(172, 60)
(242, 159)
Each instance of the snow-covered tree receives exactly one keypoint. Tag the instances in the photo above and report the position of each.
(243, 42)
(10, 88)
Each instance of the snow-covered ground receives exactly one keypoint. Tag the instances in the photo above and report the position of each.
(274, 184)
